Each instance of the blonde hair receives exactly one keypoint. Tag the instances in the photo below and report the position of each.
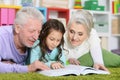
(83, 17)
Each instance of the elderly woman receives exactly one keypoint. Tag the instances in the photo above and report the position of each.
(82, 44)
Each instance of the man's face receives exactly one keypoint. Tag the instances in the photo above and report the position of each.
(77, 34)
(28, 33)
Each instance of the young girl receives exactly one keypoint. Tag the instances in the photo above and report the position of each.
(50, 42)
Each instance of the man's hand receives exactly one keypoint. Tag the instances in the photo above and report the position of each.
(56, 65)
(37, 65)
(8, 62)
(73, 61)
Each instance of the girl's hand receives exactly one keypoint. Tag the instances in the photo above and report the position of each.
(56, 65)
(73, 61)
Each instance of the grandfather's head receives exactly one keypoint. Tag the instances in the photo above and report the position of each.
(27, 26)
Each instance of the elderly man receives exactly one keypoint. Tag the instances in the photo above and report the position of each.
(16, 40)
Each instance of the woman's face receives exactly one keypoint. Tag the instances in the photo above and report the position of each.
(77, 33)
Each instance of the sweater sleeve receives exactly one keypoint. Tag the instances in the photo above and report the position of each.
(6, 52)
(53, 56)
(95, 47)
(35, 52)
(62, 59)
(6, 68)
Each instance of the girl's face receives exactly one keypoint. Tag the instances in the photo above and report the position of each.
(77, 34)
(53, 39)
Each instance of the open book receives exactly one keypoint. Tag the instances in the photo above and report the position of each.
(72, 70)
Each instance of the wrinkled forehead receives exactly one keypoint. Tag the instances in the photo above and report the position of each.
(33, 23)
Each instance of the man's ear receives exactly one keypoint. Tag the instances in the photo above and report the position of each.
(17, 28)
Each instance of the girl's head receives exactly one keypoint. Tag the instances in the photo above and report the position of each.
(79, 27)
(52, 34)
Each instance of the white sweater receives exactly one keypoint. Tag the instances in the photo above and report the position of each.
(92, 44)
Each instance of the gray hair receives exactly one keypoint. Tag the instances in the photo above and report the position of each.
(26, 13)
(83, 17)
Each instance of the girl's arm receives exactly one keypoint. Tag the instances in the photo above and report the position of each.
(53, 56)
(63, 58)
(35, 52)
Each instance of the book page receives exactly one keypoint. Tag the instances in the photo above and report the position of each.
(68, 70)
(90, 70)
(84, 70)
(72, 70)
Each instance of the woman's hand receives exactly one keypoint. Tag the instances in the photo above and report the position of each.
(73, 61)
(100, 66)
(56, 65)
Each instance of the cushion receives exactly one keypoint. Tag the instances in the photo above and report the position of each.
(110, 59)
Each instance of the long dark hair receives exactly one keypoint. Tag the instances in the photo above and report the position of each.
(51, 24)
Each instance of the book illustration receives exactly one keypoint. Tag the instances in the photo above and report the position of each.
(72, 70)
